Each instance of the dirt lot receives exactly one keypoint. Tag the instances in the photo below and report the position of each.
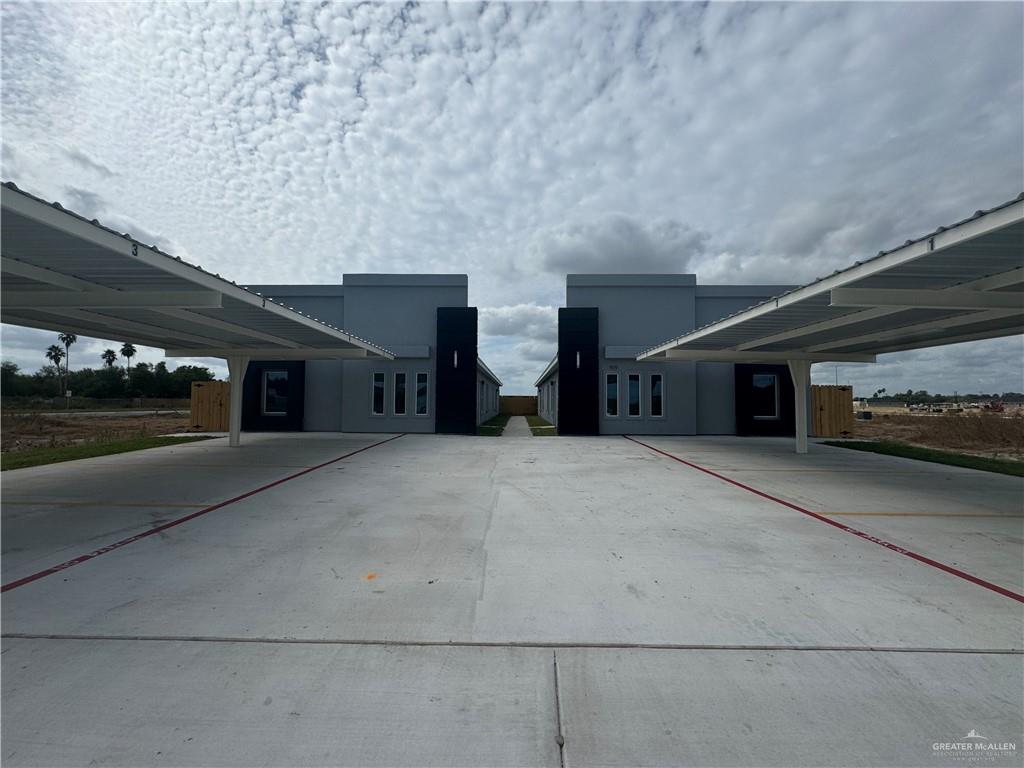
(992, 435)
(21, 431)
(983, 434)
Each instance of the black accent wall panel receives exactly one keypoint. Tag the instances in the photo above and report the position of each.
(253, 418)
(578, 368)
(456, 382)
(749, 399)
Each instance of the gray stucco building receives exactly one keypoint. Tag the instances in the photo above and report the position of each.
(595, 385)
(436, 383)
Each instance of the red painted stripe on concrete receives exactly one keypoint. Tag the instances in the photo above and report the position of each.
(843, 527)
(152, 531)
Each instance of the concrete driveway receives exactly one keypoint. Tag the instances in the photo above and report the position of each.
(437, 600)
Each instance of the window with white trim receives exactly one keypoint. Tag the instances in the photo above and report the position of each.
(422, 393)
(377, 394)
(657, 406)
(399, 392)
(611, 394)
(633, 395)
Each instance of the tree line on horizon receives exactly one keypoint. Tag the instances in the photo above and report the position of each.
(923, 397)
(109, 381)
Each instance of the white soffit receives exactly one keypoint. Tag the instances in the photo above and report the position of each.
(62, 272)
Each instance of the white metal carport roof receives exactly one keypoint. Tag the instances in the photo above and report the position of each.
(960, 283)
(62, 272)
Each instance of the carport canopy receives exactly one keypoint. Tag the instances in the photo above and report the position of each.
(62, 272)
(963, 282)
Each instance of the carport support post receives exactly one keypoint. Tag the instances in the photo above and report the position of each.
(236, 371)
(800, 370)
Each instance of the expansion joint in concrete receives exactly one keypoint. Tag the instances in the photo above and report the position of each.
(559, 734)
(528, 644)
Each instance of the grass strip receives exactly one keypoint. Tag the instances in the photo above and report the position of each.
(34, 457)
(494, 426)
(541, 427)
(890, 448)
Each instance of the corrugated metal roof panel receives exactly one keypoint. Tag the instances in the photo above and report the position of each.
(48, 248)
(972, 252)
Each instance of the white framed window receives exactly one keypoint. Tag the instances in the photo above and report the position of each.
(377, 393)
(765, 397)
(275, 393)
(611, 394)
(422, 394)
(633, 395)
(398, 405)
(657, 396)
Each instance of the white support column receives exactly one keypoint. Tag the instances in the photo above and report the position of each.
(800, 370)
(237, 365)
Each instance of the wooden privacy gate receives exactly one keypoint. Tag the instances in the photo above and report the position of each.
(832, 410)
(210, 402)
(519, 405)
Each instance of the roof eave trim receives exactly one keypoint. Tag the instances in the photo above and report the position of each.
(482, 367)
(549, 370)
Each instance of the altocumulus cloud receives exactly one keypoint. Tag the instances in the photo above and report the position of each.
(294, 142)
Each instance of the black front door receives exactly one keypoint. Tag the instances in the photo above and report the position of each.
(456, 370)
(578, 395)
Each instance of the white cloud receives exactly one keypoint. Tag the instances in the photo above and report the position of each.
(520, 320)
(291, 143)
(537, 351)
(79, 157)
(617, 243)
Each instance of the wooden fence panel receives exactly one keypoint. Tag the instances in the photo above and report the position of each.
(519, 405)
(210, 403)
(832, 410)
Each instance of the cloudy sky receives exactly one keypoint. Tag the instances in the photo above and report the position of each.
(747, 143)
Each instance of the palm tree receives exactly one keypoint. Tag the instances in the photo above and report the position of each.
(67, 339)
(109, 357)
(128, 352)
(55, 354)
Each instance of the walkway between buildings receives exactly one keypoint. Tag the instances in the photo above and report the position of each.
(517, 427)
